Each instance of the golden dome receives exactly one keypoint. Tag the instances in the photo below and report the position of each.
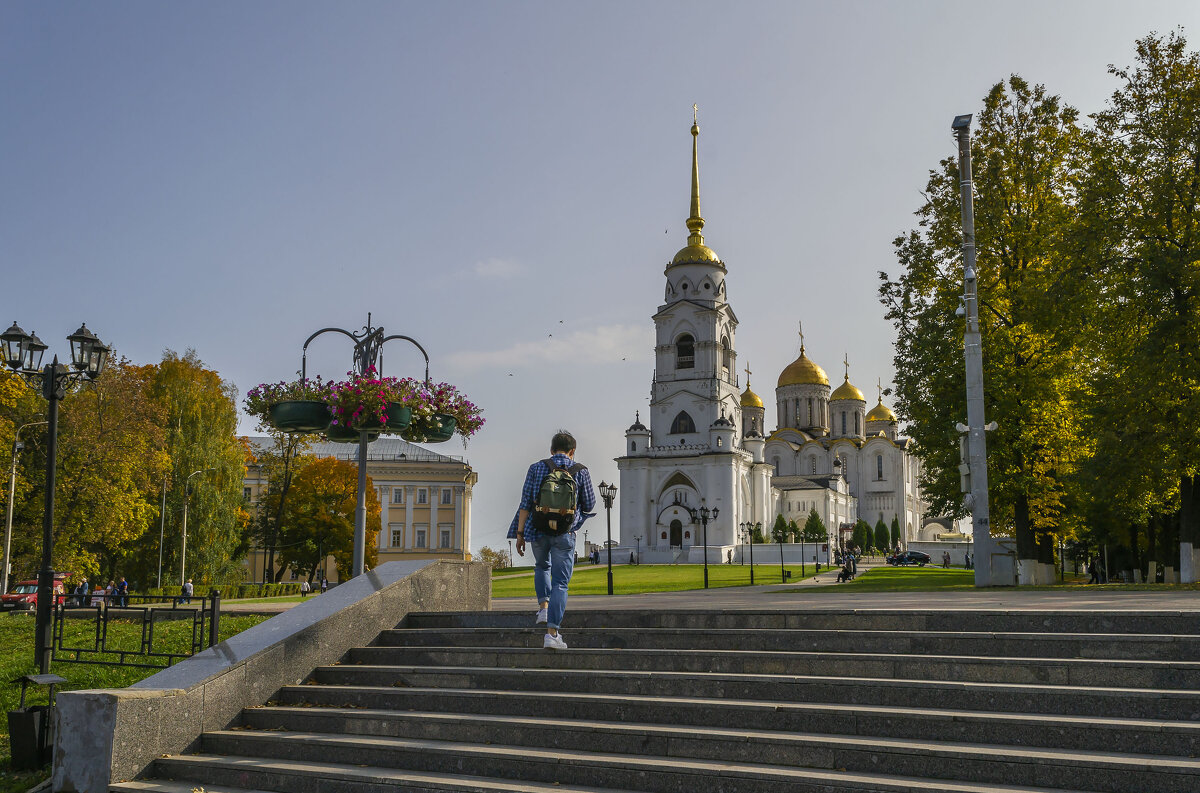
(847, 391)
(802, 371)
(881, 412)
(751, 399)
(696, 254)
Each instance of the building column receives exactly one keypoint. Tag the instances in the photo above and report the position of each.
(435, 496)
(409, 532)
(385, 496)
(458, 526)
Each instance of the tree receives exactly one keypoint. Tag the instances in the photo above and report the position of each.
(793, 531)
(880, 539)
(814, 528)
(1032, 294)
(200, 420)
(278, 464)
(757, 535)
(320, 518)
(862, 534)
(1140, 222)
(495, 560)
(779, 530)
(895, 527)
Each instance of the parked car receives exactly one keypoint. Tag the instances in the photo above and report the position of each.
(24, 596)
(918, 558)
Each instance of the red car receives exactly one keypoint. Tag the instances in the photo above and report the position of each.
(24, 595)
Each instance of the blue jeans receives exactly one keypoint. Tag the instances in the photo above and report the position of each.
(553, 562)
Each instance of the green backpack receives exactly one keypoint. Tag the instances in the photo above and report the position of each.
(554, 510)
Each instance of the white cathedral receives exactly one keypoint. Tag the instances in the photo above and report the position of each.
(706, 444)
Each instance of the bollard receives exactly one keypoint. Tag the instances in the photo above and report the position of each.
(214, 618)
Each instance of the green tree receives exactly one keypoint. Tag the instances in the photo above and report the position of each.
(880, 539)
(793, 531)
(200, 421)
(814, 528)
(757, 535)
(862, 534)
(495, 560)
(320, 518)
(1140, 227)
(1031, 295)
(779, 530)
(278, 464)
(895, 528)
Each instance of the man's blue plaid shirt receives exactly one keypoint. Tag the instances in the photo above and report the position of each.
(585, 500)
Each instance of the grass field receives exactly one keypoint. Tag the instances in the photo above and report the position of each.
(16, 659)
(634, 579)
(904, 579)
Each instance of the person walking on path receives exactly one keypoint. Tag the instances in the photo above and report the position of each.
(304, 589)
(556, 499)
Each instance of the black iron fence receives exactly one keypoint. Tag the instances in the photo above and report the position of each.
(151, 631)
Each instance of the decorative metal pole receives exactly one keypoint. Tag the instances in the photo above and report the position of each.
(757, 527)
(608, 493)
(162, 528)
(973, 358)
(187, 492)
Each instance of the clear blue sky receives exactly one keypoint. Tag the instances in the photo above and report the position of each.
(232, 176)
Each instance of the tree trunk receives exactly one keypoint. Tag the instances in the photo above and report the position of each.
(1027, 552)
(1189, 516)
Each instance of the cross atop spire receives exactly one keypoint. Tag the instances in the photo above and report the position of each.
(695, 114)
(694, 222)
(747, 371)
(879, 385)
(846, 361)
(800, 322)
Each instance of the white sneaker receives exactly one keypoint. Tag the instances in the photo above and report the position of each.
(541, 617)
(554, 642)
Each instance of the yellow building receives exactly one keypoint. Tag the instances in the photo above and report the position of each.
(424, 498)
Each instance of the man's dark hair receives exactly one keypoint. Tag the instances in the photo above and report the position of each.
(562, 441)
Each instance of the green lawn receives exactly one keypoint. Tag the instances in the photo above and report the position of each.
(904, 579)
(633, 579)
(16, 659)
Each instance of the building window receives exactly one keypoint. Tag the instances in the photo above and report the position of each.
(718, 443)
(776, 466)
(422, 496)
(397, 495)
(246, 493)
(843, 422)
(879, 466)
(812, 464)
(726, 355)
(419, 540)
(446, 541)
(810, 413)
(685, 352)
(446, 495)
(683, 424)
(857, 431)
(633, 446)
(397, 535)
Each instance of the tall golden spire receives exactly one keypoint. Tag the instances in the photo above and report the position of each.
(694, 222)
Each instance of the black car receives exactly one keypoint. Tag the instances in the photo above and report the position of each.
(918, 558)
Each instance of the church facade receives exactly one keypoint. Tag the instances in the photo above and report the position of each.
(706, 446)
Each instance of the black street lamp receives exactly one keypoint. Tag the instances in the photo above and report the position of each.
(753, 530)
(608, 493)
(782, 574)
(23, 354)
(742, 535)
(705, 514)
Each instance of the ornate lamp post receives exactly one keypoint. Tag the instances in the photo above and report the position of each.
(23, 354)
(782, 573)
(752, 530)
(608, 493)
(12, 494)
(742, 534)
(705, 514)
(368, 353)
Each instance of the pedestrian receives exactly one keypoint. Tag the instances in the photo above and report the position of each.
(945, 558)
(187, 591)
(122, 592)
(324, 585)
(556, 499)
(1093, 571)
(304, 589)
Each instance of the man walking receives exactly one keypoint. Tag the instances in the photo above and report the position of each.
(556, 499)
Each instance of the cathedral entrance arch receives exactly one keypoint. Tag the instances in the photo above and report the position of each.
(676, 534)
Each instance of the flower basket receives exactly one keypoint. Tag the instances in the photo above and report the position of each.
(338, 434)
(398, 416)
(437, 428)
(301, 415)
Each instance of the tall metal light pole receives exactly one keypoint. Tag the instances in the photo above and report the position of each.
(368, 352)
(23, 354)
(705, 514)
(162, 528)
(757, 528)
(187, 491)
(973, 358)
(742, 536)
(608, 493)
(12, 494)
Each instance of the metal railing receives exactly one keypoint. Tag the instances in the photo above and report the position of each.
(102, 629)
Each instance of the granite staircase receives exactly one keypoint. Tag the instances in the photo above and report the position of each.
(732, 702)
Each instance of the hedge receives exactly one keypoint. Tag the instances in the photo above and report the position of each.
(229, 591)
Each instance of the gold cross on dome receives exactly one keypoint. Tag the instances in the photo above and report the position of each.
(846, 360)
(800, 322)
(879, 385)
(747, 371)
(695, 114)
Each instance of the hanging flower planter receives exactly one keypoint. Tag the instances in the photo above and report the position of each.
(437, 428)
(301, 415)
(399, 416)
(338, 434)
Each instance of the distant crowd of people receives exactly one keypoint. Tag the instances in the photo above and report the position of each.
(115, 594)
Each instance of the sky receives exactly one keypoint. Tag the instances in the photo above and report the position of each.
(504, 182)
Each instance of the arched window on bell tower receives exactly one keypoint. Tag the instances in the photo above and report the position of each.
(685, 352)
(682, 424)
(726, 356)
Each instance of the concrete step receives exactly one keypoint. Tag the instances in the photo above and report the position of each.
(1058, 671)
(1178, 739)
(1126, 622)
(777, 755)
(1026, 645)
(214, 772)
(530, 767)
(1140, 703)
